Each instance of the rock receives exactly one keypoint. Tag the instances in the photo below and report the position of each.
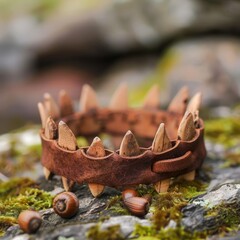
(123, 26)
(196, 215)
(127, 224)
(208, 65)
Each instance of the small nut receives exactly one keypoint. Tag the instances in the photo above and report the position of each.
(137, 206)
(128, 193)
(66, 204)
(29, 221)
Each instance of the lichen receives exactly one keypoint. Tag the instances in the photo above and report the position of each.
(17, 195)
(110, 233)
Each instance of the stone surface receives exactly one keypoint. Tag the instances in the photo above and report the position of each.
(209, 65)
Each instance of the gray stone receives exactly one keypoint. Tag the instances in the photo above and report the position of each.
(204, 65)
(195, 217)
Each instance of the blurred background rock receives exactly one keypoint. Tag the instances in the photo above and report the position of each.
(48, 45)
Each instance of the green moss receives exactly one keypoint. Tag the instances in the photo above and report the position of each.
(111, 233)
(225, 131)
(232, 159)
(166, 207)
(116, 207)
(5, 223)
(227, 217)
(178, 233)
(18, 195)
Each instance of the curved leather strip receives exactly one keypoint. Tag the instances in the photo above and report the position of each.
(119, 122)
(192, 162)
(114, 170)
(174, 164)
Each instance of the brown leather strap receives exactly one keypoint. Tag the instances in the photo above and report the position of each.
(115, 170)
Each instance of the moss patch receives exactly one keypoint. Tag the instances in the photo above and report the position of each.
(18, 195)
(227, 216)
(225, 131)
(166, 207)
(111, 233)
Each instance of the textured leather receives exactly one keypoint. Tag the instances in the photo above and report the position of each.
(114, 170)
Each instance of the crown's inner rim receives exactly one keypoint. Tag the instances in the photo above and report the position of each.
(143, 123)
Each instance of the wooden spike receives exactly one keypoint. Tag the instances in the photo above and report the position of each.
(67, 140)
(161, 142)
(186, 129)
(186, 132)
(196, 119)
(50, 133)
(162, 186)
(50, 129)
(65, 103)
(88, 99)
(195, 102)
(119, 99)
(67, 184)
(43, 114)
(152, 98)
(179, 102)
(96, 149)
(129, 146)
(47, 173)
(51, 106)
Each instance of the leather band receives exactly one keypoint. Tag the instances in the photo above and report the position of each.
(115, 170)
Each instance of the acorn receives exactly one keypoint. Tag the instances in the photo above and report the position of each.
(138, 206)
(128, 193)
(29, 221)
(66, 204)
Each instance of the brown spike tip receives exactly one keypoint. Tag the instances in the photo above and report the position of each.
(129, 146)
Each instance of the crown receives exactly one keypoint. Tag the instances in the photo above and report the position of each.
(172, 141)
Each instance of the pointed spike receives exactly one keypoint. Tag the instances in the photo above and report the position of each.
(119, 99)
(96, 149)
(152, 98)
(162, 186)
(50, 133)
(161, 141)
(179, 102)
(43, 114)
(65, 103)
(47, 173)
(129, 146)
(51, 106)
(186, 129)
(195, 102)
(188, 176)
(88, 99)
(196, 119)
(67, 184)
(186, 132)
(50, 129)
(66, 138)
